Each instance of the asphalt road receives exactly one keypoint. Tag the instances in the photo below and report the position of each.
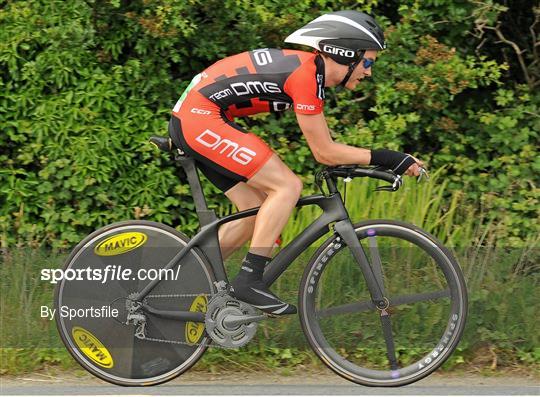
(197, 383)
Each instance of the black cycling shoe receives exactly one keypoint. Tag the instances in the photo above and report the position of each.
(249, 287)
(257, 294)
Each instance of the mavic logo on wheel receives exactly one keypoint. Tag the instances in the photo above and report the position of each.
(120, 244)
(92, 348)
(240, 154)
(194, 331)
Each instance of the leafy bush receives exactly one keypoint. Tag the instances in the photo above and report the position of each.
(85, 83)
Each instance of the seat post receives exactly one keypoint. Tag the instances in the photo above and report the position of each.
(205, 215)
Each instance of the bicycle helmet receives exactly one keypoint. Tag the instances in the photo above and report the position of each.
(342, 35)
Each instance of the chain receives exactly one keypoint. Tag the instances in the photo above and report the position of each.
(177, 295)
(178, 342)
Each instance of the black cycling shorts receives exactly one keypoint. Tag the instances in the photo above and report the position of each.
(222, 178)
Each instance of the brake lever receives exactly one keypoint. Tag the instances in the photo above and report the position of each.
(423, 174)
(399, 182)
(393, 187)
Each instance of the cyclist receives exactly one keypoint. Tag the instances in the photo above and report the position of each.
(239, 163)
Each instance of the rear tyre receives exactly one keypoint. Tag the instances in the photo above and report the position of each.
(99, 340)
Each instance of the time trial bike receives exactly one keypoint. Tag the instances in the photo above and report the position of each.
(381, 302)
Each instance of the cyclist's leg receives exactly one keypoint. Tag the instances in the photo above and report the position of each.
(235, 234)
(227, 155)
(283, 189)
(225, 147)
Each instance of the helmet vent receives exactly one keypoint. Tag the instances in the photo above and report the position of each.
(346, 30)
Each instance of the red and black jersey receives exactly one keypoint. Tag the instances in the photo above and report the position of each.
(265, 80)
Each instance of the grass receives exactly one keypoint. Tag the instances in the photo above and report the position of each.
(502, 329)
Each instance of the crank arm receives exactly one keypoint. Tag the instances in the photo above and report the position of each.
(232, 321)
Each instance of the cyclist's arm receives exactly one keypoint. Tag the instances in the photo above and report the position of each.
(328, 152)
(324, 149)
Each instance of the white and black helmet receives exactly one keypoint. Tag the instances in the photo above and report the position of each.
(342, 35)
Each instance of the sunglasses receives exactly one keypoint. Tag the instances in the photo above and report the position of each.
(368, 62)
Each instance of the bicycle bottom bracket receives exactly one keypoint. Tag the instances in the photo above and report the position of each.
(219, 308)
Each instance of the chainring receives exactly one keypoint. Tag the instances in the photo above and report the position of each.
(220, 306)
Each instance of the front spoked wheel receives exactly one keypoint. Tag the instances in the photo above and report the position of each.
(402, 343)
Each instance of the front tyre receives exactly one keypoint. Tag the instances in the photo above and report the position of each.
(419, 330)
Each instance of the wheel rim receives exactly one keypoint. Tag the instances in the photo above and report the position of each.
(117, 355)
(334, 347)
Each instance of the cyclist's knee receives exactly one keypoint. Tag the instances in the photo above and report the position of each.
(291, 187)
(295, 186)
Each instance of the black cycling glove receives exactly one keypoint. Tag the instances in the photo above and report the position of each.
(396, 161)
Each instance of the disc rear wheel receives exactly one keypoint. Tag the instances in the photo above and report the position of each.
(114, 264)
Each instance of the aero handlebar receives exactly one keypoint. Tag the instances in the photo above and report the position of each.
(354, 171)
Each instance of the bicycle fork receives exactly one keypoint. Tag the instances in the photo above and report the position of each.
(372, 272)
(374, 279)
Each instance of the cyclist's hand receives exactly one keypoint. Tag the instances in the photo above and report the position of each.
(414, 169)
(400, 163)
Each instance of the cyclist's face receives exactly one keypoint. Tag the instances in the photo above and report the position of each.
(361, 72)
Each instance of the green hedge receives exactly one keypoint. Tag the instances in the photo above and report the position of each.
(85, 83)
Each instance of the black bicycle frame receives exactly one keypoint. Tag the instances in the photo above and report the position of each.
(207, 241)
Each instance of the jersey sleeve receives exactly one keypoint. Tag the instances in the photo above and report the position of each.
(306, 88)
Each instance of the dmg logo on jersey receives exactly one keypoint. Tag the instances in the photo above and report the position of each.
(338, 51)
(247, 88)
(301, 106)
(92, 348)
(194, 331)
(240, 154)
(255, 87)
(120, 244)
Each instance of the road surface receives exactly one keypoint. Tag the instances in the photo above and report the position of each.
(256, 383)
